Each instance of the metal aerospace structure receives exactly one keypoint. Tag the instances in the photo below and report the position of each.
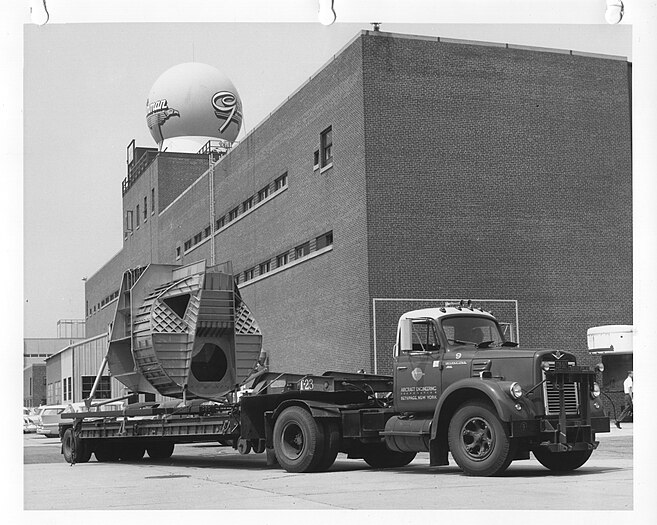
(182, 331)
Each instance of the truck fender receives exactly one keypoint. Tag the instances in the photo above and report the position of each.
(493, 391)
(317, 409)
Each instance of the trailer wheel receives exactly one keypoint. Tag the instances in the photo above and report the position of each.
(478, 441)
(160, 450)
(380, 456)
(132, 452)
(298, 440)
(106, 451)
(562, 461)
(332, 438)
(243, 446)
(75, 450)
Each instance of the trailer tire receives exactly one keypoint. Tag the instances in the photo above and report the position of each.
(562, 461)
(332, 438)
(106, 451)
(478, 440)
(75, 450)
(380, 456)
(160, 450)
(298, 440)
(132, 452)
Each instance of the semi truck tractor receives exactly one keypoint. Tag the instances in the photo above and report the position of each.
(458, 388)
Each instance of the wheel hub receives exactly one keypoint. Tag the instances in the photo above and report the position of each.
(477, 438)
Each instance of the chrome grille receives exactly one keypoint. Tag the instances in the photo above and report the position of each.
(551, 396)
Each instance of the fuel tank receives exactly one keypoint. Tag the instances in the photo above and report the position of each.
(182, 331)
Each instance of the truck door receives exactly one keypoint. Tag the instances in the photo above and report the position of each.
(417, 366)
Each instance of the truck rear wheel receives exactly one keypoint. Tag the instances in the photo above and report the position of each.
(380, 456)
(162, 450)
(478, 441)
(562, 461)
(331, 445)
(298, 440)
(75, 450)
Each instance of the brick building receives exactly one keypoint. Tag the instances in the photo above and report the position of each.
(406, 168)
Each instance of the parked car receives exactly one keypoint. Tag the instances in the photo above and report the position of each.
(28, 425)
(49, 420)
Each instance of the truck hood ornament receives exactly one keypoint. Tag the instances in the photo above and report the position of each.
(558, 354)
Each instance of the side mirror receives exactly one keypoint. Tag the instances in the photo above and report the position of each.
(405, 335)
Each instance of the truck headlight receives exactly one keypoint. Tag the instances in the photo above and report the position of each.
(596, 390)
(515, 390)
(600, 367)
(545, 366)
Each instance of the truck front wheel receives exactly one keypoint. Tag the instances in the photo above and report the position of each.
(298, 440)
(478, 441)
(562, 461)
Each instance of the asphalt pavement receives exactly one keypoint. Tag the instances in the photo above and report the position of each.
(206, 477)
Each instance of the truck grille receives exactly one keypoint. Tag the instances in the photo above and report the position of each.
(551, 396)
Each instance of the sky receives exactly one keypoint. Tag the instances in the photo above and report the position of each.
(85, 90)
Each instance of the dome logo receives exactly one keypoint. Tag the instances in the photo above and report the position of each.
(227, 109)
(157, 113)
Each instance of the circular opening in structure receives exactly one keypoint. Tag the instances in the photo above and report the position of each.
(209, 364)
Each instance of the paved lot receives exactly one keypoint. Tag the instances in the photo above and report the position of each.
(205, 476)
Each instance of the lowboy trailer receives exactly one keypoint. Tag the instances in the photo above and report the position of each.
(457, 387)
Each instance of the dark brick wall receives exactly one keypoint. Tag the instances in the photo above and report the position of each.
(458, 171)
(504, 174)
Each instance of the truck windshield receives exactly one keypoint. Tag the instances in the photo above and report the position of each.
(471, 330)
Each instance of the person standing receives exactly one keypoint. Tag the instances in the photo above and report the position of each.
(628, 388)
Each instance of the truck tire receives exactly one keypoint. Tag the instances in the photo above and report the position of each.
(380, 456)
(562, 461)
(298, 440)
(332, 438)
(106, 451)
(75, 450)
(478, 440)
(161, 450)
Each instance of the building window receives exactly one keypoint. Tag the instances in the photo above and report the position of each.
(152, 201)
(280, 182)
(249, 274)
(137, 214)
(103, 390)
(188, 245)
(265, 267)
(263, 194)
(145, 209)
(316, 159)
(177, 252)
(198, 237)
(30, 386)
(128, 221)
(324, 240)
(221, 222)
(232, 214)
(326, 143)
(282, 259)
(301, 251)
(247, 204)
(206, 232)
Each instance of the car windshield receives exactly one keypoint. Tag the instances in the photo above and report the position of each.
(471, 330)
(52, 411)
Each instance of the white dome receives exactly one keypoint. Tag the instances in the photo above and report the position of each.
(193, 100)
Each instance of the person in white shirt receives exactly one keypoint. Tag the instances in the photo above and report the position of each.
(628, 388)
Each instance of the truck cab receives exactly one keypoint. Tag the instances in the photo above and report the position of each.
(461, 386)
